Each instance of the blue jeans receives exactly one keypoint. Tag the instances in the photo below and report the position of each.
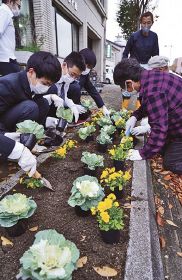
(26, 110)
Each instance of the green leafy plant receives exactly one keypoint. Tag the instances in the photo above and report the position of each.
(125, 114)
(88, 104)
(104, 121)
(92, 160)
(65, 114)
(33, 127)
(51, 257)
(115, 116)
(14, 208)
(108, 213)
(84, 132)
(86, 192)
(120, 123)
(114, 179)
(103, 138)
(118, 153)
(109, 129)
(32, 183)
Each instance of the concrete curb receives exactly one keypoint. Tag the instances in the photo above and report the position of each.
(143, 255)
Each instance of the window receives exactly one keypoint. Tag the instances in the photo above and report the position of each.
(67, 36)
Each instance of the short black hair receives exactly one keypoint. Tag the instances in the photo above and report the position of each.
(127, 69)
(147, 14)
(45, 65)
(75, 59)
(6, 1)
(89, 56)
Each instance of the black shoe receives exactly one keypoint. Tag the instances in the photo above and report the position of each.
(28, 140)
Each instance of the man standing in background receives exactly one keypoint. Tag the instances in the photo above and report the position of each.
(8, 10)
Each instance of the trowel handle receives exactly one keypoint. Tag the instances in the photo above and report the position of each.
(37, 175)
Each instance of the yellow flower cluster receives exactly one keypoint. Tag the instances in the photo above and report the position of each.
(62, 151)
(126, 139)
(120, 123)
(97, 116)
(113, 178)
(86, 124)
(103, 206)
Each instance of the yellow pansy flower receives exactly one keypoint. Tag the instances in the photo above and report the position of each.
(105, 217)
(111, 196)
(93, 210)
(116, 204)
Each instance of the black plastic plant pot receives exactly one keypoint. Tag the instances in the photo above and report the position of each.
(102, 148)
(110, 236)
(90, 172)
(89, 138)
(28, 140)
(118, 193)
(119, 165)
(17, 229)
(80, 212)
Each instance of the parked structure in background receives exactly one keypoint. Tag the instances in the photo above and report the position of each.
(177, 66)
(114, 52)
(62, 26)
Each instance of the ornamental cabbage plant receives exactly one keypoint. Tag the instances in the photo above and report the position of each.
(86, 192)
(104, 139)
(92, 160)
(88, 104)
(50, 257)
(84, 132)
(104, 121)
(33, 127)
(14, 208)
(109, 129)
(65, 114)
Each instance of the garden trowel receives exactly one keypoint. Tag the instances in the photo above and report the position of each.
(47, 184)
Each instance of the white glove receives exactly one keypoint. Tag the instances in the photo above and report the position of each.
(75, 112)
(51, 122)
(28, 162)
(130, 124)
(13, 135)
(81, 109)
(58, 101)
(140, 129)
(134, 155)
(25, 158)
(105, 111)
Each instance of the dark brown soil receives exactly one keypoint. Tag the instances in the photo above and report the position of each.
(53, 212)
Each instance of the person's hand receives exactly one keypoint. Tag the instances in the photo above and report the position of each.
(58, 101)
(134, 155)
(28, 162)
(13, 135)
(140, 129)
(75, 112)
(81, 109)
(130, 124)
(105, 111)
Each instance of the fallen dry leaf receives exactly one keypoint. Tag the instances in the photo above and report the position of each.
(161, 210)
(6, 241)
(127, 206)
(171, 223)
(167, 177)
(160, 220)
(83, 238)
(170, 206)
(105, 271)
(81, 262)
(179, 254)
(162, 241)
(33, 228)
(165, 172)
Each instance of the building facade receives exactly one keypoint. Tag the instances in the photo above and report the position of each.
(62, 26)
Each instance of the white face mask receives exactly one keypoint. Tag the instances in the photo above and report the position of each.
(39, 88)
(16, 12)
(67, 79)
(86, 72)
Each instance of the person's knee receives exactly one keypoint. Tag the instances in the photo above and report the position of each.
(30, 110)
(74, 92)
(175, 167)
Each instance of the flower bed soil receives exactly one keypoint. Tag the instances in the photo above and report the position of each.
(53, 212)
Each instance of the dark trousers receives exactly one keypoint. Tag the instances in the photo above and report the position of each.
(26, 110)
(74, 92)
(172, 157)
(9, 67)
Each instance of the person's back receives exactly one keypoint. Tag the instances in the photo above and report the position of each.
(8, 10)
